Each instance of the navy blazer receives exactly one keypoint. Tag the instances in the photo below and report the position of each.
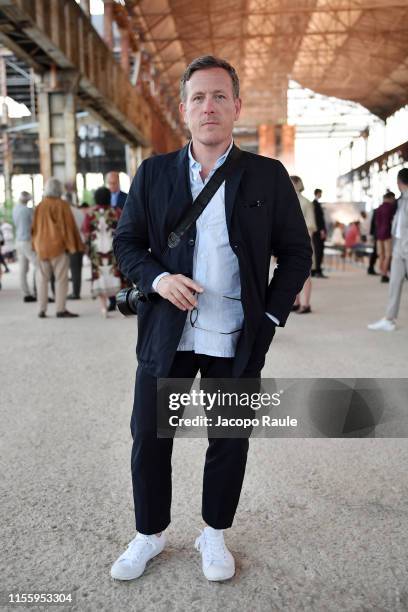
(121, 200)
(263, 217)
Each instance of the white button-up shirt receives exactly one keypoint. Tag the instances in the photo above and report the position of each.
(216, 270)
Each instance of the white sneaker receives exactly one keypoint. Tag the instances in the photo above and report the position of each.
(132, 563)
(218, 563)
(382, 325)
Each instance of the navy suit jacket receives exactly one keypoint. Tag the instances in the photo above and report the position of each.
(263, 217)
(121, 200)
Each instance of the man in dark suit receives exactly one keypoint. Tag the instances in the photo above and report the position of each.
(118, 197)
(319, 236)
(212, 308)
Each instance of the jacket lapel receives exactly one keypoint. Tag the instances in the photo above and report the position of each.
(231, 189)
(181, 197)
(182, 178)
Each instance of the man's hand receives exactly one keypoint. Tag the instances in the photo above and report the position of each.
(261, 346)
(179, 290)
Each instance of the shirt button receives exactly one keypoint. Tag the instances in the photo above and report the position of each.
(191, 242)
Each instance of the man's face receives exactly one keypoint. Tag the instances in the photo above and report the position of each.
(113, 182)
(318, 195)
(210, 109)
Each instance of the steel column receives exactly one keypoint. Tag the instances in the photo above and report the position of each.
(7, 153)
(57, 125)
(287, 156)
(267, 140)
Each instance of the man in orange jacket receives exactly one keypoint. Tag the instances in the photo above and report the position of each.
(54, 234)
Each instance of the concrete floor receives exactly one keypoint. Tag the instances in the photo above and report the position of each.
(321, 526)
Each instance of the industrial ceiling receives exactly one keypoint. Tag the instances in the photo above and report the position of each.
(351, 49)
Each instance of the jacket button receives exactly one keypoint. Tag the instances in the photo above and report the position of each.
(191, 242)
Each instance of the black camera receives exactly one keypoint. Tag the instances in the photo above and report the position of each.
(127, 300)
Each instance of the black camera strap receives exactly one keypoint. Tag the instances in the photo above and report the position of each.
(205, 195)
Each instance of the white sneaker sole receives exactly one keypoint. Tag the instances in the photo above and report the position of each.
(116, 574)
(221, 579)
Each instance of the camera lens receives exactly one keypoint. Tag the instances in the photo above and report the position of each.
(127, 301)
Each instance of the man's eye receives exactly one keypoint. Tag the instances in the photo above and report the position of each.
(197, 98)
(220, 96)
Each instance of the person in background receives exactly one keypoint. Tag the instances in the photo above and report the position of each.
(3, 262)
(309, 216)
(75, 259)
(383, 219)
(319, 236)
(117, 197)
(1, 243)
(23, 220)
(54, 233)
(399, 262)
(8, 248)
(364, 226)
(117, 200)
(70, 193)
(98, 228)
(374, 255)
(337, 237)
(352, 237)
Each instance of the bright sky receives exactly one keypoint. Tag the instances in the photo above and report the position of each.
(96, 7)
(14, 109)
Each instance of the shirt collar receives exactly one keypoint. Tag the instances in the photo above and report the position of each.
(195, 166)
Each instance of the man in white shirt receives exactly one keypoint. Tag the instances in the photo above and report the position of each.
(23, 219)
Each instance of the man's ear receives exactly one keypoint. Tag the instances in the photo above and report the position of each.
(182, 111)
(238, 105)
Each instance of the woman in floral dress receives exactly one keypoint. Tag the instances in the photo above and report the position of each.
(99, 225)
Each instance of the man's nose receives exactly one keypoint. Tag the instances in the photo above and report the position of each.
(208, 105)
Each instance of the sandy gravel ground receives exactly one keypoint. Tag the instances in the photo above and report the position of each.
(321, 526)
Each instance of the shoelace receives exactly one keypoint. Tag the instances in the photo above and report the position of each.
(136, 547)
(213, 548)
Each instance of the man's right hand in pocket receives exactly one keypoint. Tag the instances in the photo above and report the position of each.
(261, 345)
(179, 290)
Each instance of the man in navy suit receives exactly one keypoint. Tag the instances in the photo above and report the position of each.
(118, 197)
(211, 306)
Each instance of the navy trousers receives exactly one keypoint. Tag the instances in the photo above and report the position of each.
(225, 459)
